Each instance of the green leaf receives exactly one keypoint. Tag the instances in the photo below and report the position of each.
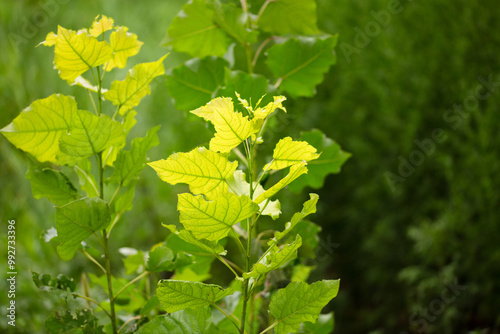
(129, 164)
(77, 52)
(47, 282)
(289, 17)
(194, 83)
(289, 152)
(194, 31)
(90, 134)
(127, 94)
(238, 185)
(179, 295)
(308, 208)
(159, 259)
(234, 23)
(52, 184)
(204, 171)
(109, 155)
(68, 323)
(134, 263)
(124, 45)
(208, 246)
(300, 273)
(295, 171)
(231, 127)
(190, 321)
(124, 202)
(78, 220)
(330, 162)
(275, 258)
(38, 128)
(300, 302)
(300, 64)
(213, 220)
(251, 87)
(100, 26)
(324, 325)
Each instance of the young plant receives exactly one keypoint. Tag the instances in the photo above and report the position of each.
(67, 144)
(227, 202)
(254, 47)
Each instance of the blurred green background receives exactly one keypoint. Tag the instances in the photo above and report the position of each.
(418, 254)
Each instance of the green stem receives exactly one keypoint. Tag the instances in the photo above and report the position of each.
(92, 301)
(227, 316)
(269, 328)
(248, 49)
(227, 265)
(110, 285)
(91, 258)
(130, 283)
(129, 321)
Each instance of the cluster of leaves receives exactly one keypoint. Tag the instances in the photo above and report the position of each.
(227, 203)
(67, 144)
(254, 48)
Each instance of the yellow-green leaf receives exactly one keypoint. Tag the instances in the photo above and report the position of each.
(38, 128)
(91, 134)
(275, 258)
(270, 107)
(289, 152)
(128, 93)
(204, 171)
(231, 127)
(295, 171)
(124, 45)
(213, 220)
(77, 52)
(98, 27)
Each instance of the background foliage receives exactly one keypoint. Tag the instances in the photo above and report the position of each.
(395, 251)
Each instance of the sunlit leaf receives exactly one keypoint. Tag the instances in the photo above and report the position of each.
(90, 134)
(130, 163)
(308, 208)
(159, 259)
(239, 186)
(124, 45)
(213, 220)
(179, 295)
(289, 17)
(100, 26)
(128, 93)
(289, 152)
(300, 302)
(194, 83)
(194, 31)
(275, 258)
(231, 127)
(204, 171)
(78, 220)
(77, 52)
(330, 162)
(263, 112)
(300, 64)
(38, 128)
(295, 171)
